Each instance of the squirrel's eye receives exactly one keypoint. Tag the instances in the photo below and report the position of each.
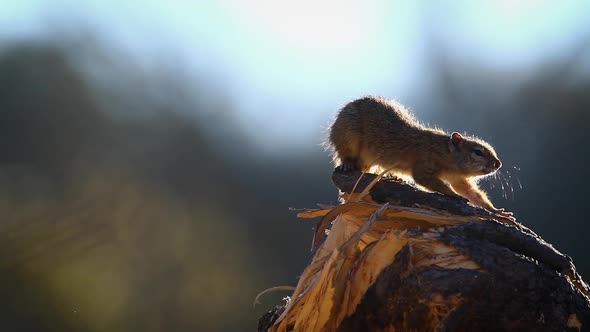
(478, 152)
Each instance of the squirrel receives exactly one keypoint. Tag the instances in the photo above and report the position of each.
(375, 131)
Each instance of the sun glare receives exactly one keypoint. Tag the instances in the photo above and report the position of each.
(307, 26)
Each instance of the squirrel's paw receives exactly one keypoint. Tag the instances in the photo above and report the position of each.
(504, 213)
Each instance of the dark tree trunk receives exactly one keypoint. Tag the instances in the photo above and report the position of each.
(515, 280)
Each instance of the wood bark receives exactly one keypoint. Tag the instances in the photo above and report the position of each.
(515, 281)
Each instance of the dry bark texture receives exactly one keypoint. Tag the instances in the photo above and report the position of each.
(400, 259)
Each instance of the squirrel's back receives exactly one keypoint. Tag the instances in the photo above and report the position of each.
(374, 127)
(375, 112)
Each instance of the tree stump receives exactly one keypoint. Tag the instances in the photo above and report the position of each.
(401, 259)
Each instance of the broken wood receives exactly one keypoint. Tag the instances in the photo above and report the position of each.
(403, 259)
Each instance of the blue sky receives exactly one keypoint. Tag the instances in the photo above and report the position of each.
(288, 65)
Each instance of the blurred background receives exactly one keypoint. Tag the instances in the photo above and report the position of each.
(150, 151)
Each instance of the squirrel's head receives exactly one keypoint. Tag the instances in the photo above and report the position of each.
(473, 156)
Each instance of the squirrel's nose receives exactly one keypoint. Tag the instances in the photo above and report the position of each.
(498, 164)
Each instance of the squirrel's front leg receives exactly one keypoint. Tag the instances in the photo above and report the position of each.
(426, 177)
(468, 189)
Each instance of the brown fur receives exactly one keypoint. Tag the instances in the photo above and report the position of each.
(374, 131)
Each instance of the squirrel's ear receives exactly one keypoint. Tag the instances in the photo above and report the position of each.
(456, 138)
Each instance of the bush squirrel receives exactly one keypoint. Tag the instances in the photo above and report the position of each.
(375, 131)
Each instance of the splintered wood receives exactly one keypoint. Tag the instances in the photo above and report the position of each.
(364, 239)
(396, 258)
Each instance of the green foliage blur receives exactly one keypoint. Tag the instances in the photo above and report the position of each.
(131, 201)
(119, 212)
